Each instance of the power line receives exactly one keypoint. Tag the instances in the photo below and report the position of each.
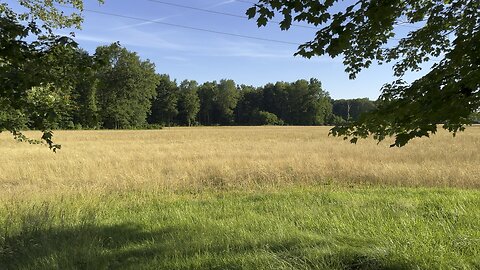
(246, 2)
(195, 28)
(198, 9)
(188, 27)
(221, 13)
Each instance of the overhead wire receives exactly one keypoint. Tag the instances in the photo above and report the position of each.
(221, 13)
(188, 27)
(193, 27)
(246, 2)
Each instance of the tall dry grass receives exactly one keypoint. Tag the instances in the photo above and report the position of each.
(231, 157)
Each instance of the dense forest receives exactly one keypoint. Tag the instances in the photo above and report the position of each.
(48, 83)
(115, 89)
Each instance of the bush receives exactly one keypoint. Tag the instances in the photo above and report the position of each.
(475, 117)
(268, 118)
(152, 126)
(336, 120)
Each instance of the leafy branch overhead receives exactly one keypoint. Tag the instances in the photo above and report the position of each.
(30, 95)
(48, 12)
(362, 33)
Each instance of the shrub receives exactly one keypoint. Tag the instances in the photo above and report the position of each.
(268, 118)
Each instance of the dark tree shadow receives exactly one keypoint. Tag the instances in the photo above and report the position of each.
(129, 246)
(85, 247)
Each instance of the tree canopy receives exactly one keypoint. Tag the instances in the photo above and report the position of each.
(126, 87)
(30, 95)
(363, 32)
(47, 12)
(27, 93)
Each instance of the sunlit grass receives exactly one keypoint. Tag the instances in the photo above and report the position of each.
(309, 228)
(232, 157)
(239, 198)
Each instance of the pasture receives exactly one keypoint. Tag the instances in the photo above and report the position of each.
(239, 198)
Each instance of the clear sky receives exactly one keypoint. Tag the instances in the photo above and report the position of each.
(202, 56)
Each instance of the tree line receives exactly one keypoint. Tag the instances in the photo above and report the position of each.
(115, 89)
(448, 94)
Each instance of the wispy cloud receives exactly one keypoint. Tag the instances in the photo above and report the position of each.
(141, 24)
(176, 48)
(245, 49)
(176, 58)
(222, 3)
(133, 37)
(90, 38)
(227, 48)
(171, 16)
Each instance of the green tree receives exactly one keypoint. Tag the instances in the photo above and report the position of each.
(74, 71)
(300, 103)
(207, 94)
(225, 102)
(26, 51)
(188, 103)
(50, 15)
(275, 99)
(315, 104)
(126, 87)
(26, 41)
(218, 102)
(249, 104)
(86, 111)
(164, 106)
(362, 32)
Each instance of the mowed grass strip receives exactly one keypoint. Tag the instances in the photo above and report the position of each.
(320, 227)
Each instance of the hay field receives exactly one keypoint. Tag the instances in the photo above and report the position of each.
(239, 198)
(245, 158)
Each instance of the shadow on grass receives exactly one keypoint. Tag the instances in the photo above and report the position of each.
(130, 246)
(85, 247)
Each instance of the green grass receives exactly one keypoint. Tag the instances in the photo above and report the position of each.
(301, 228)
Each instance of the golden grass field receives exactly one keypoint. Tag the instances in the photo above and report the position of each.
(243, 158)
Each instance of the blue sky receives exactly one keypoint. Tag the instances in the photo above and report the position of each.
(202, 56)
